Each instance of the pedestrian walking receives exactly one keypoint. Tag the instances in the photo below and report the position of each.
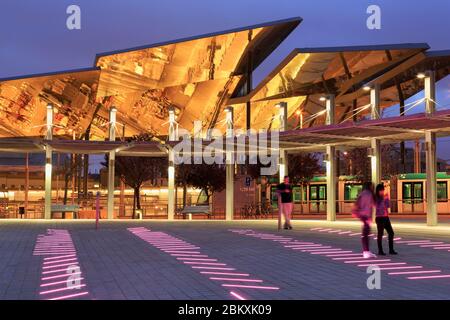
(363, 211)
(382, 220)
(284, 192)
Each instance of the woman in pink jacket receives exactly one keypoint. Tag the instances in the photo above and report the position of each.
(363, 210)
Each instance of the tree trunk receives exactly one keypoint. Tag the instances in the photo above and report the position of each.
(184, 195)
(66, 187)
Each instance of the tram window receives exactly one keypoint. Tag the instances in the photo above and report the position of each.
(274, 196)
(297, 194)
(351, 191)
(442, 191)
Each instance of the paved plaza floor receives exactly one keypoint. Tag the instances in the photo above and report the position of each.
(217, 260)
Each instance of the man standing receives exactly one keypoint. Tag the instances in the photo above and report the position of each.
(284, 191)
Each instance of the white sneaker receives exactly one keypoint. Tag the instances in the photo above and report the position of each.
(368, 254)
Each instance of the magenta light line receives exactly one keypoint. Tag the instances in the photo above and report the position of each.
(60, 289)
(334, 231)
(414, 241)
(186, 248)
(325, 248)
(358, 257)
(430, 277)
(442, 248)
(344, 232)
(414, 272)
(58, 282)
(55, 271)
(226, 273)
(382, 264)
(237, 296)
(59, 261)
(249, 287)
(60, 265)
(299, 244)
(49, 253)
(188, 255)
(345, 255)
(368, 260)
(235, 279)
(60, 257)
(60, 276)
(71, 296)
(400, 268)
(196, 259)
(205, 263)
(354, 234)
(212, 268)
(433, 244)
(187, 252)
(318, 247)
(329, 252)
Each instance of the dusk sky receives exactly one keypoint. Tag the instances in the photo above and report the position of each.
(34, 37)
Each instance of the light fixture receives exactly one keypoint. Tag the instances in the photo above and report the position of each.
(421, 75)
(298, 112)
(367, 87)
(322, 98)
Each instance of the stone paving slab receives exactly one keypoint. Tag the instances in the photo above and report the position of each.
(118, 265)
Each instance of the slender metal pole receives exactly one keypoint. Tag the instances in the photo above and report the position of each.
(111, 163)
(229, 190)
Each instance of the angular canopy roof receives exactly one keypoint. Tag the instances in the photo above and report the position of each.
(306, 74)
(195, 75)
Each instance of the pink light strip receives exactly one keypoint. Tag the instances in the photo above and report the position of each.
(59, 261)
(330, 252)
(226, 273)
(195, 259)
(249, 287)
(430, 277)
(60, 257)
(60, 289)
(400, 268)
(368, 260)
(58, 282)
(236, 279)
(205, 263)
(414, 272)
(213, 268)
(71, 296)
(61, 265)
(60, 276)
(237, 296)
(382, 264)
(345, 255)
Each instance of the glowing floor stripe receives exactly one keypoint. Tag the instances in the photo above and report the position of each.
(59, 259)
(414, 272)
(424, 243)
(205, 265)
(347, 256)
(237, 296)
(430, 277)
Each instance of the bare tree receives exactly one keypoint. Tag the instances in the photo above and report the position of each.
(137, 170)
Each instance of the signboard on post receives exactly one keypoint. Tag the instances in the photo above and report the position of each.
(97, 209)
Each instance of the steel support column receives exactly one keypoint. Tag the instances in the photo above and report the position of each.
(171, 167)
(229, 191)
(48, 165)
(111, 164)
(330, 162)
(430, 156)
